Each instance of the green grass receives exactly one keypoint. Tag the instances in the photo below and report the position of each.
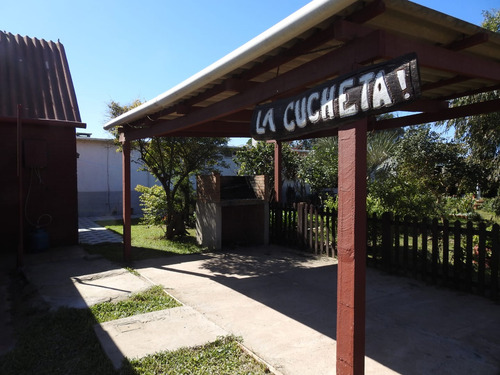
(64, 342)
(489, 216)
(224, 356)
(153, 299)
(61, 342)
(147, 242)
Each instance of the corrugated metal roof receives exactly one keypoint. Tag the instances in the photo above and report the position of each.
(35, 74)
(457, 58)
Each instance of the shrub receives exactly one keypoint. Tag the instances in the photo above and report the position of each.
(154, 204)
(492, 205)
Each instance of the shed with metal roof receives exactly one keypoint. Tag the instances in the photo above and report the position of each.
(38, 117)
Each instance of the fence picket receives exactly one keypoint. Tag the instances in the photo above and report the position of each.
(481, 262)
(415, 227)
(494, 262)
(462, 257)
(469, 233)
(446, 251)
(423, 257)
(405, 245)
(435, 251)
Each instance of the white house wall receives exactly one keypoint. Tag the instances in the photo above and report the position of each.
(99, 170)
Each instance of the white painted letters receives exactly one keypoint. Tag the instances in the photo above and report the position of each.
(268, 120)
(327, 103)
(344, 98)
(312, 116)
(381, 97)
(369, 91)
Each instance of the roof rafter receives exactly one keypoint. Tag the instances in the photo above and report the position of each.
(446, 114)
(339, 30)
(359, 51)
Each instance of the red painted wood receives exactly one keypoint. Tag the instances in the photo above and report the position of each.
(20, 244)
(351, 248)
(278, 161)
(127, 240)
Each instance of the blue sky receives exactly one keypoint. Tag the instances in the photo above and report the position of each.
(127, 50)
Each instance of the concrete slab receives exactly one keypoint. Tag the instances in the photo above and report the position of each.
(69, 277)
(140, 335)
(284, 307)
(91, 233)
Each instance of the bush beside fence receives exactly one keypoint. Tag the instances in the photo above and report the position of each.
(454, 255)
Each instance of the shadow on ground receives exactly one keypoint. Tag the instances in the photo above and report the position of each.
(53, 328)
(411, 328)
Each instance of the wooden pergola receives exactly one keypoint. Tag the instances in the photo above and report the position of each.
(324, 40)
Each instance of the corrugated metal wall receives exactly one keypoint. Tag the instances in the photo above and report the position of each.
(35, 73)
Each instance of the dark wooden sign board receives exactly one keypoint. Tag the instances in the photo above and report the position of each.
(365, 92)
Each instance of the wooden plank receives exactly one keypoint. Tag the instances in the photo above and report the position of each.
(351, 284)
(495, 260)
(405, 245)
(423, 269)
(435, 251)
(415, 228)
(446, 251)
(481, 281)
(469, 233)
(457, 254)
(356, 95)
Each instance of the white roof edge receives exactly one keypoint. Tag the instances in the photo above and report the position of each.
(290, 27)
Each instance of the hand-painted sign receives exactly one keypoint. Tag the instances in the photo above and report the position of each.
(366, 92)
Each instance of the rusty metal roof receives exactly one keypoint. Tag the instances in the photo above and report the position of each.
(456, 58)
(35, 74)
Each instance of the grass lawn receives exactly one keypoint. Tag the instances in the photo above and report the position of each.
(224, 356)
(489, 216)
(153, 299)
(147, 242)
(64, 342)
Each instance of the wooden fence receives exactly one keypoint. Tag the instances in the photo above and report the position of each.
(455, 255)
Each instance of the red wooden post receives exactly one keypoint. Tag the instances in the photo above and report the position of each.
(278, 162)
(20, 236)
(127, 240)
(351, 249)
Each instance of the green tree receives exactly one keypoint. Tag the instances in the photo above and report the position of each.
(172, 160)
(481, 133)
(319, 168)
(424, 170)
(258, 159)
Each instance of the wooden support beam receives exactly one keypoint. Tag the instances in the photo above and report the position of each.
(238, 85)
(361, 50)
(340, 30)
(444, 82)
(215, 129)
(468, 42)
(278, 164)
(126, 203)
(440, 58)
(351, 248)
(447, 114)
(425, 105)
(368, 12)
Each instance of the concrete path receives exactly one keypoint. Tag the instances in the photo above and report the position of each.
(91, 233)
(69, 277)
(284, 307)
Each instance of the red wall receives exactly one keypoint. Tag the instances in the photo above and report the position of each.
(50, 189)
